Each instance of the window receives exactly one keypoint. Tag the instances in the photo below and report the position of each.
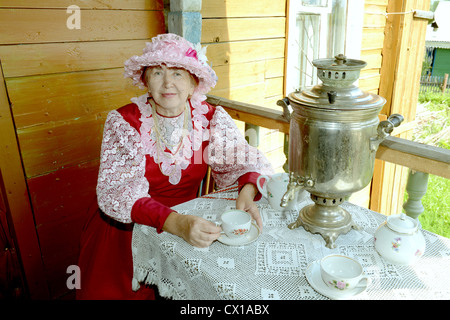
(320, 29)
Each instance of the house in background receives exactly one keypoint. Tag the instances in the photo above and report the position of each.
(437, 41)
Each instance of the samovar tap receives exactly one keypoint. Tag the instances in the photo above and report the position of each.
(293, 186)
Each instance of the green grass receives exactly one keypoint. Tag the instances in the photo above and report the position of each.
(436, 202)
(436, 217)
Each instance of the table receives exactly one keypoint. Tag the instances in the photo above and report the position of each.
(273, 267)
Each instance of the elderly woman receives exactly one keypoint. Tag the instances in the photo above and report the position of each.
(155, 153)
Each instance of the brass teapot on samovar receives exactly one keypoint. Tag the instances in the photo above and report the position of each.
(333, 138)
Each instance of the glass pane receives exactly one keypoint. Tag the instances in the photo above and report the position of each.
(336, 35)
(309, 31)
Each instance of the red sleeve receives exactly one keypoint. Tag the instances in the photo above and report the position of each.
(249, 177)
(150, 212)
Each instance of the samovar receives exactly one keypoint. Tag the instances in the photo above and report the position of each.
(333, 138)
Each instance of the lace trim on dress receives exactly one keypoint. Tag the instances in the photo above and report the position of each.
(170, 163)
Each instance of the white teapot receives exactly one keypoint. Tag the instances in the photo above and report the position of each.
(399, 240)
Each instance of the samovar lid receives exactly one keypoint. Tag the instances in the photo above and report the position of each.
(339, 63)
(337, 91)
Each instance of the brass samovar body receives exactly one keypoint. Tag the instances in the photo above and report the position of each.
(333, 138)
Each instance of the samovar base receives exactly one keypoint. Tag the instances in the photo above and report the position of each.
(327, 220)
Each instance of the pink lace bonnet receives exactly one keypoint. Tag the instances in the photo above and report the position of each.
(173, 51)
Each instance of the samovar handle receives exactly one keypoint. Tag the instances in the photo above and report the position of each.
(284, 103)
(384, 129)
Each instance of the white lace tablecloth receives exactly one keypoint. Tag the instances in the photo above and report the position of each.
(273, 266)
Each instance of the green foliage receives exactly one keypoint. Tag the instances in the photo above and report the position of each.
(438, 101)
(436, 217)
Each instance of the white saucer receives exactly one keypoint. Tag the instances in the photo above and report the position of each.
(249, 238)
(314, 278)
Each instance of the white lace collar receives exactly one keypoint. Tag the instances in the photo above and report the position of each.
(169, 163)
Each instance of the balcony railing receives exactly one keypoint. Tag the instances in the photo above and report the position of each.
(421, 159)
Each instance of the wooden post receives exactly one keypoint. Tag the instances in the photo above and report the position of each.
(444, 85)
(185, 19)
(416, 188)
(18, 201)
(403, 51)
(252, 134)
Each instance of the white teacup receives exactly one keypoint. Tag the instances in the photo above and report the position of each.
(275, 187)
(342, 273)
(236, 223)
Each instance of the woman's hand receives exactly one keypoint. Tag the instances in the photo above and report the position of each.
(245, 202)
(194, 230)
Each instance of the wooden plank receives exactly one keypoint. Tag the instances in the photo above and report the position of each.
(372, 57)
(370, 82)
(271, 102)
(372, 39)
(56, 145)
(250, 93)
(408, 56)
(85, 4)
(239, 74)
(247, 73)
(64, 193)
(413, 152)
(376, 185)
(376, 188)
(274, 68)
(390, 54)
(273, 141)
(370, 73)
(236, 29)
(62, 97)
(36, 59)
(19, 26)
(374, 16)
(245, 51)
(238, 8)
(60, 242)
(18, 200)
(60, 202)
(273, 87)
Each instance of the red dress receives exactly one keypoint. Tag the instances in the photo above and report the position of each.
(143, 196)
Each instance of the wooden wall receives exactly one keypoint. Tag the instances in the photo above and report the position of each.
(372, 44)
(246, 45)
(61, 83)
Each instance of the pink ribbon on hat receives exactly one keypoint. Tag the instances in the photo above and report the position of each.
(191, 53)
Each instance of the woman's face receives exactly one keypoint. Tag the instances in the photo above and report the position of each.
(170, 88)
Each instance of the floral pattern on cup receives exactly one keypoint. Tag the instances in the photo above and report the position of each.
(341, 285)
(240, 232)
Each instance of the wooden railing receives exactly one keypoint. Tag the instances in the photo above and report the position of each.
(416, 156)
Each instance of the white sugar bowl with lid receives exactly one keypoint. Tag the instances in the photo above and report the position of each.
(399, 240)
